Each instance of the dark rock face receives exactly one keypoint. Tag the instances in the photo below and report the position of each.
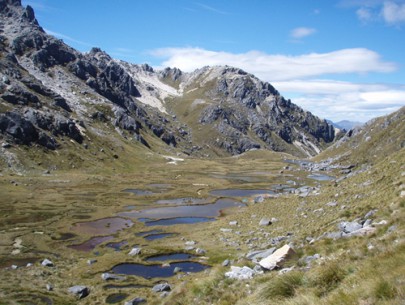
(249, 105)
(20, 129)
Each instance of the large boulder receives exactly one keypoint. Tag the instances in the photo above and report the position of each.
(260, 254)
(161, 287)
(79, 291)
(240, 273)
(278, 258)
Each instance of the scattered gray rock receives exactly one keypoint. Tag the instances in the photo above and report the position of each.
(286, 270)
(110, 276)
(47, 263)
(135, 301)
(391, 228)
(367, 223)
(233, 223)
(177, 270)
(258, 199)
(225, 230)
(49, 287)
(241, 273)
(200, 251)
(14, 267)
(161, 287)
(334, 235)
(6, 145)
(309, 259)
(134, 251)
(226, 263)
(91, 261)
(331, 204)
(190, 243)
(362, 232)
(370, 214)
(29, 265)
(265, 222)
(348, 227)
(79, 291)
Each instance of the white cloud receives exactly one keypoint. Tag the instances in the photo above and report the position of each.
(338, 100)
(393, 13)
(302, 32)
(272, 67)
(364, 14)
(325, 87)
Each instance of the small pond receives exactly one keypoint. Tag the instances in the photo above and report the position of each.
(204, 210)
(239, 178)
(91, 243)
(139, 192)
(157, 271)
(152, 237)
(171, 257)
(19, 262)
(118, 245)
(102, 226)
(116, 298)
(185, 201)
(175, 221)
(321, 177)
(240, 192)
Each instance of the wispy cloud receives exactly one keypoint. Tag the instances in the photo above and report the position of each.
(68, 38)
(211, 9)
(272, 67)
(393, 13)
(302, 32)
(364, 14)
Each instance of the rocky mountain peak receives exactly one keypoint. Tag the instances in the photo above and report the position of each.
(13, 8)
(51, 91)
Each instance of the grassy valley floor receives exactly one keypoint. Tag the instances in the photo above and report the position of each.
(40, 216)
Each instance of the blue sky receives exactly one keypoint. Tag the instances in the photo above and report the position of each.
(339, 59)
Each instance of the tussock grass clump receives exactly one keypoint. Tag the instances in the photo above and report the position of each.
(384, 290)
(327, 277)
(283, 286)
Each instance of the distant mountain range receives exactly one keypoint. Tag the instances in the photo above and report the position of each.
(345, 124)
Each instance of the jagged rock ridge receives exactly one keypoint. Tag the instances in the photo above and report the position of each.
(49, 91)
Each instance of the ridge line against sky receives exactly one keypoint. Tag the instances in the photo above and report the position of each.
(338, 59)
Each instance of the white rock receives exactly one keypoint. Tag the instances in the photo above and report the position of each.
(240, 273)
(264, 222)
(46, 262)
(135, 251)
(277, 258)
